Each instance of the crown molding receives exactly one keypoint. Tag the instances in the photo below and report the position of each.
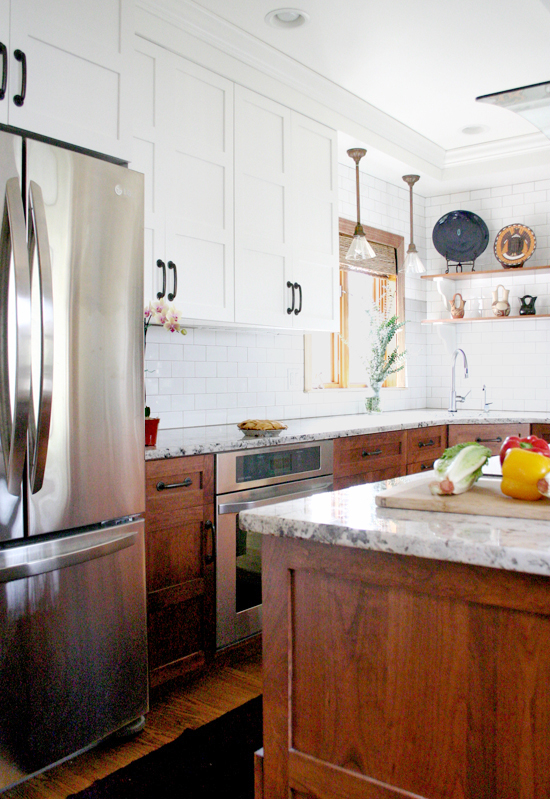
(378, 128)
(259, 66)
(515, 147)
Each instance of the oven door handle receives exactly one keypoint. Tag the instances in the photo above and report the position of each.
(237, 507)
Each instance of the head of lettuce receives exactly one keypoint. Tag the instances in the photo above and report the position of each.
(459, 467)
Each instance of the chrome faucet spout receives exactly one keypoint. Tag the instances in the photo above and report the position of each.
(454, 398)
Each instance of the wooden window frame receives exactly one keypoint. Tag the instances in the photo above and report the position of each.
(339, 341)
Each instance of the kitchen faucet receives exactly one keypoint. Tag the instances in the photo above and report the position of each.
(454, 397)
(485, 403)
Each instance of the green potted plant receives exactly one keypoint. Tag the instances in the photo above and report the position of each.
(382, 363)
(160, 313)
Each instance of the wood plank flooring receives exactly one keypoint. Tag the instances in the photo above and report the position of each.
(174, 707)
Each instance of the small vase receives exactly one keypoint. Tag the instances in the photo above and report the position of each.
(372, 404)
(151, 430)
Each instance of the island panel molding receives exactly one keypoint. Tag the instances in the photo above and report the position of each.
(458, 663)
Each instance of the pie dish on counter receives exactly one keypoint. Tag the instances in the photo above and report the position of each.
(256, 428)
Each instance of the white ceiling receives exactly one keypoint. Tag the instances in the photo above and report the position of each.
(422, 63)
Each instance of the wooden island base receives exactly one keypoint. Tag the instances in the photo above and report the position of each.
(392, 677)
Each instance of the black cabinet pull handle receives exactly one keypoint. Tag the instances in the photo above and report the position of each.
(424, 466)
(162, 265)
(291, 286)
(172, 295)
(165, 486)
(208, 559)
(366, 454)
(19, 99)
(4, 54)
(496, 440)
(429, 443)
(298, 310)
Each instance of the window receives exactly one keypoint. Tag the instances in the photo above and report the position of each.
(337, 360)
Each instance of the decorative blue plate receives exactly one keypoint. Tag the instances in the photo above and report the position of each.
(460, 236)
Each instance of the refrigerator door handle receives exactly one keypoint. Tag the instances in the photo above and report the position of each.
(39, 427)
(14, 420)
(61, 559)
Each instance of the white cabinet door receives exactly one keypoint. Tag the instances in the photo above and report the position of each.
(199, 191)
(150, 98)
(263, 252)
(4, 58)
(183, 143)
(77, 57)
(315, 224)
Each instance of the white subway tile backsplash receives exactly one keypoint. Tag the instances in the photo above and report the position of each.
(223, 376)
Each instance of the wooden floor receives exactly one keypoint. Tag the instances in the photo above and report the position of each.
(173, 708)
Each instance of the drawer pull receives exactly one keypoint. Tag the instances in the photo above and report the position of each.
(164, 486)
(366, 454)
(424, 466)
(496, 440)
(429, 443)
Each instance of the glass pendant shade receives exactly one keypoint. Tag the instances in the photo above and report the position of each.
(359, 249)
(412, 265)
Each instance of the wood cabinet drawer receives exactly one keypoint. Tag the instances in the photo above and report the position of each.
(541, 430)
(425, 443)
(491, 435)
(189, 482)
(425, 466)
(370, 456)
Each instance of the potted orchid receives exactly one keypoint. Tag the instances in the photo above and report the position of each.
(159, 313)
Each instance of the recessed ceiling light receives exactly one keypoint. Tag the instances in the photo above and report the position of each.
(286, 18)
(474, 130)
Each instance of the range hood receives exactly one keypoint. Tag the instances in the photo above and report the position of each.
(530, 102)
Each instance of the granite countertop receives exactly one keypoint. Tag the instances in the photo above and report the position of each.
(175, 442)
(351, 518)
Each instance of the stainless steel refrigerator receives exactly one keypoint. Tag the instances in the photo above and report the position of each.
(73, 648)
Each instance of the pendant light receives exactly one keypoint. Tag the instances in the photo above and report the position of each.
(412, 263)
(359, 249)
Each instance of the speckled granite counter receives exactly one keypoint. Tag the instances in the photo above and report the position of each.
(351, 518)
(198, 440)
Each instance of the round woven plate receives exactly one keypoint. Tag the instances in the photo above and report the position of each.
(514, 244)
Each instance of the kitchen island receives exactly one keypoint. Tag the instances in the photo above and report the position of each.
(406, 653)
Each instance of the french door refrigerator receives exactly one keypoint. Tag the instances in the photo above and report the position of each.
(73, 663)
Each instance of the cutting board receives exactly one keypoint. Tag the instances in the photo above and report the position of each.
(484, 499)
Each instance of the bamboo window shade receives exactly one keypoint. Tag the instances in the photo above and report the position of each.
(385, 262)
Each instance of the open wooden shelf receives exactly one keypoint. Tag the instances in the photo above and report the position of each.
(503, 272)
(474, 319)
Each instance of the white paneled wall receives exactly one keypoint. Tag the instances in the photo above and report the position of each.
(511, 358)
(216, 376)
(212, 377)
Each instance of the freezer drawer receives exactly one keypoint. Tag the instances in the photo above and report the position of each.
(73, 648)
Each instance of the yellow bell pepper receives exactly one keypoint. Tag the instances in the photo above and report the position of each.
(521, 472)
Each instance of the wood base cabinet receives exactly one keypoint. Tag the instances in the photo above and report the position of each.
(179, 565)
(394, 677)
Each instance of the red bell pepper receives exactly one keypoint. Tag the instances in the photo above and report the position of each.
(531, 443)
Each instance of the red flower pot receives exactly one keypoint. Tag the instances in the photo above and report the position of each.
(151, 430)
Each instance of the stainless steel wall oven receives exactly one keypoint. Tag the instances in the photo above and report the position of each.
(245, 479)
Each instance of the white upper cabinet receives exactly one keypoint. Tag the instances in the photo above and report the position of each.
(286, 217)
(183, 143)
(240, 199)
(263, 251)
(315, 223)
(68, 68)
(4, 59)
